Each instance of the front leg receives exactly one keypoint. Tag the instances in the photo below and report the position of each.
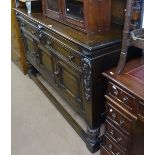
(93, 139)
(31, 70)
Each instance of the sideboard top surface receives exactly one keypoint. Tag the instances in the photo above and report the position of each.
(91, 42)
(132, 78)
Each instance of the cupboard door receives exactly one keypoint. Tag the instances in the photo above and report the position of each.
(30, 48)
(45, 62)
(74, 8)
(69, 80)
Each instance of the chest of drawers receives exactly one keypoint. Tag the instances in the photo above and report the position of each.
(124, 124)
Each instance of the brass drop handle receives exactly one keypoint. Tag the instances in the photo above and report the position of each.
(70, 57)
(115, 91)
(113, 114)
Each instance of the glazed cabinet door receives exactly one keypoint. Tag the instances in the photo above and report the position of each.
(69, 79)
(52, 8)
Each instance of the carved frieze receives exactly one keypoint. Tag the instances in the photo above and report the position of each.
(87, 78)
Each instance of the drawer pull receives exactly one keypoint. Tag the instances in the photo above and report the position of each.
(40, 27)
(125, 99)
(121, 122)
(112, 132)
(49, 42)
(115, 91)
(119, 139)
(111, 110)
(56, 73)
(113, 115)
(117, 153)
(33, 32)
(110, 147)
(71, 57)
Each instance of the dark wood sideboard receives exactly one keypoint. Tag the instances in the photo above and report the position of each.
(124, 124)
(72, 63)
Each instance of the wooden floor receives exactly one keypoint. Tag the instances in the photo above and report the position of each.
(37, 127)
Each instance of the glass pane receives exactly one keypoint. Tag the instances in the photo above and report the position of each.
(53, 5)
(75, 8)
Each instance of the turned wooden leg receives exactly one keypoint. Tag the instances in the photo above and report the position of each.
(93, 139)
(121, 63)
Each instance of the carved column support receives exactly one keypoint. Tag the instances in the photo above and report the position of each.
(87, 78)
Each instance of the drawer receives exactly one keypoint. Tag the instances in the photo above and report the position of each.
(104, 151)
(141, 109)
(29, 26)
(124, 99)
(113, 148)
(119, 117)
(116, 135)
(63, 50)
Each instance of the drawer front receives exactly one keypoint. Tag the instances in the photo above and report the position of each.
(118, 118)
(104, 151)
(141, 109)
(29, 26)
(116, 135)
(112, 147)
(124, 99)
(61, 49)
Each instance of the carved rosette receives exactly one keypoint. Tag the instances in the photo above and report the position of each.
(87, 78)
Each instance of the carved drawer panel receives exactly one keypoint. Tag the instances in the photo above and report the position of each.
(116, 135)
(119, 117)
(112, 147)
(29, 26)
(63, 50)
(124, 99)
